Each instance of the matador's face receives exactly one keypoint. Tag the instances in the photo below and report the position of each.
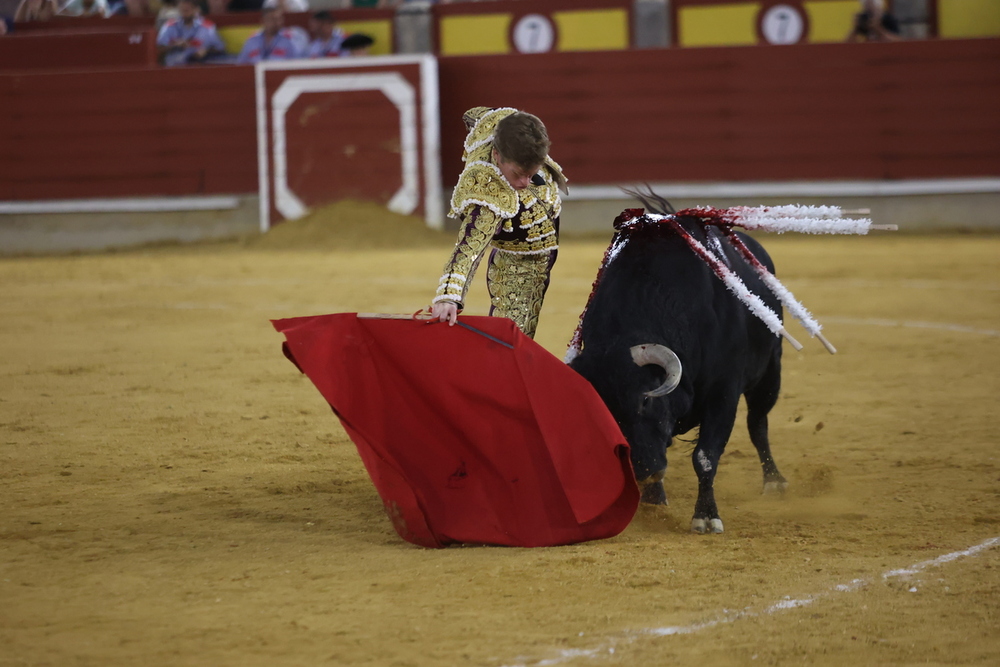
(519, 177)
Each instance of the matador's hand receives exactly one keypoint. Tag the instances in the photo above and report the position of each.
(445, 311)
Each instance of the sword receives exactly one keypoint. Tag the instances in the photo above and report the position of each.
(483, 334)
(417, 316)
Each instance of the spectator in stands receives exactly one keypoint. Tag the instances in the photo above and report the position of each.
(35, 10)
(166, 11)
(290, 6)
(327, 37)
(299, 35)
(272, 41)
(188, 39)
(6, 25)
(874, 24)
(85, 8)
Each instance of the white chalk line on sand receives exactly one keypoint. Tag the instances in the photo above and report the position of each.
(608, 646)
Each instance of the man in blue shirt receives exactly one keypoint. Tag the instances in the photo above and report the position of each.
(327, 37)
(188, 39)
(272, 42)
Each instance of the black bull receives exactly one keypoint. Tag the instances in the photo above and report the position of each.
(657, 292)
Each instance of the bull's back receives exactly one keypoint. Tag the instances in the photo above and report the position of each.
(653, 277)
(657, 290)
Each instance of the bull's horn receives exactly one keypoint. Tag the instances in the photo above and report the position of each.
(662, 356)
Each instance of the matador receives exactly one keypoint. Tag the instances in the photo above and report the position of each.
(507, 199)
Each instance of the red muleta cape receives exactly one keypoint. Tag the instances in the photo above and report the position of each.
(466, 439)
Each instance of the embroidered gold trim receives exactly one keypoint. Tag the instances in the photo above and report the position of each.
(482, 184)
(473, 237)
(517, 286)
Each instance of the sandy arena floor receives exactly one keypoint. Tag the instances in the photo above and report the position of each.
(173, 492)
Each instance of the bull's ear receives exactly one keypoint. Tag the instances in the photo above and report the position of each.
(664, 357)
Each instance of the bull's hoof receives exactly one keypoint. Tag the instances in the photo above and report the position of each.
(775, 487)
(653, 494)
(702, 526)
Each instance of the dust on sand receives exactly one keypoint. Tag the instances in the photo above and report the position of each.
(175, 493)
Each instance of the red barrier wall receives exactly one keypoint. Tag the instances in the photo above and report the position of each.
(862, 111)
(866, 111)
(128, 133)
(70, 23)
(78, 49)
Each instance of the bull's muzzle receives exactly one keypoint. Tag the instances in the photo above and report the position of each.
(664, 357)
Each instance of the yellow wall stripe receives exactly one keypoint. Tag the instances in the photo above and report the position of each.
(234, 36)
(718, 25)
(592, 30)
(474, 34)
(969, 18)
(830, 21)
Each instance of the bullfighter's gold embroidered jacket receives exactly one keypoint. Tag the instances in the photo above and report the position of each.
(492, 212)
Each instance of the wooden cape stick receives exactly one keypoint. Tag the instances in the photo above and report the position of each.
(868, 211)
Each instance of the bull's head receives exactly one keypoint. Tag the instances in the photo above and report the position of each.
(644, 416)
(662, 356)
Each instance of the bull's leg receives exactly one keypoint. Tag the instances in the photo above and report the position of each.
(716, 427)
(760, 400)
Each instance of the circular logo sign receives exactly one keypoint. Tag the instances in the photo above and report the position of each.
(782, 24)
(534, 33)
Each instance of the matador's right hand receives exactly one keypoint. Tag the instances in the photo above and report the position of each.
(445, 311)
